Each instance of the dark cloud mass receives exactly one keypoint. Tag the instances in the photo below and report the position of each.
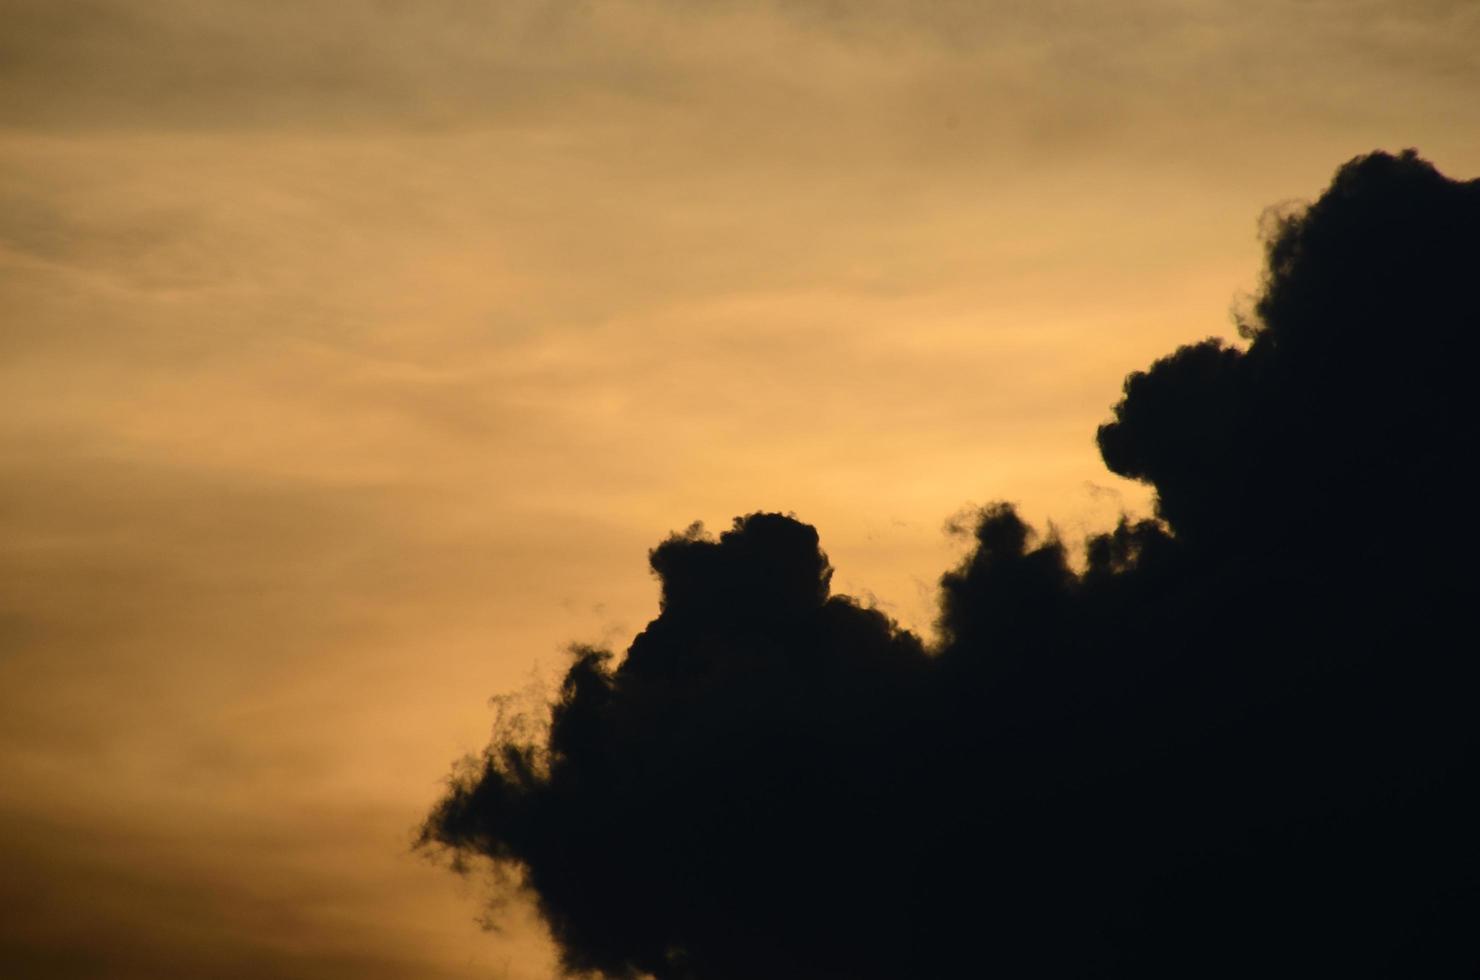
(1236, 740)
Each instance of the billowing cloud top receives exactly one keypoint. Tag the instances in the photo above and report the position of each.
(1239, 735)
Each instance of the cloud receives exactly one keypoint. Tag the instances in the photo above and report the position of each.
(253, 899)
(1056, 76)
(1238, 735)
(1352, 390)
(348, 337)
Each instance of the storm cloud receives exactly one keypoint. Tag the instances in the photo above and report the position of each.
(1235, 738)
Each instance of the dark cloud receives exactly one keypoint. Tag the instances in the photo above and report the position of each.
(1237, 738)
(1352, 392)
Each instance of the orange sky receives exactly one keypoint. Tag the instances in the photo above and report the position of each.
(355, 352)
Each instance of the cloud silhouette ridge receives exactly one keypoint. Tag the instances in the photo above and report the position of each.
(1236, 738)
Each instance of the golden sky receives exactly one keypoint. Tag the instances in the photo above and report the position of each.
(354, 352)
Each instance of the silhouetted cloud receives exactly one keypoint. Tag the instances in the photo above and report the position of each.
(1239, 739)
(1353, 390)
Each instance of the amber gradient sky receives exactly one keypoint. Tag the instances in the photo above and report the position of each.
(353, 353)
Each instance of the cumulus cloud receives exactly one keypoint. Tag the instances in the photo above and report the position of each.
(1352, 390)
(1234, 738)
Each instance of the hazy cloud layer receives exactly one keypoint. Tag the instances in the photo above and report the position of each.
(1052, 73)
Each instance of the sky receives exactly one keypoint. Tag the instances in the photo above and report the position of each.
(353, 354)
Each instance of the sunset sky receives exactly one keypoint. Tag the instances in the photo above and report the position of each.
(354, 352)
